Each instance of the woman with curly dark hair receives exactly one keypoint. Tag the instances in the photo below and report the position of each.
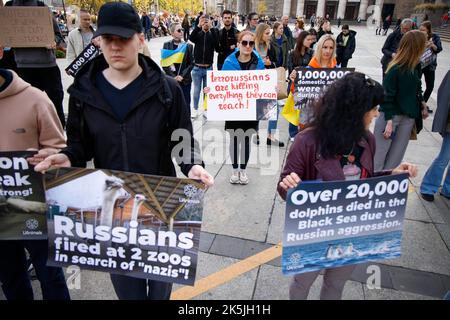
(336, 146)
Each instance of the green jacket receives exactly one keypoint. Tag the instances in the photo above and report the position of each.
(402, 93)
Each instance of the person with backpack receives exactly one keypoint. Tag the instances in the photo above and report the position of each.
(122, 112)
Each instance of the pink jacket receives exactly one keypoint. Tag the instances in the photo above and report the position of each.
(28, 118)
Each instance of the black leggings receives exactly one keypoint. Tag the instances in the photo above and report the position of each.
(240, 150)
(429, 82)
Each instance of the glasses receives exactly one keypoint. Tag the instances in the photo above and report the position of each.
(255, 19)
(245, 43)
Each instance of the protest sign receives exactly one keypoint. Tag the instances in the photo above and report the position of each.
(310, 84)
(26, 27)
(22, 199)
(136, 225)
(427, 58)
(89, 53)
(332, 224)
(242, 95)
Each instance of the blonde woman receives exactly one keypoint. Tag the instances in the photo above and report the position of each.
(403, 106)
(325, 54)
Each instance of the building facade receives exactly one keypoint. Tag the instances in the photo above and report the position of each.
(344, 9)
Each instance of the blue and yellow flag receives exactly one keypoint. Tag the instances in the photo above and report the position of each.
(289, 112)
(169, 57)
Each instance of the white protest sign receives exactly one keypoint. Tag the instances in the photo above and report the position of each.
(241, 95)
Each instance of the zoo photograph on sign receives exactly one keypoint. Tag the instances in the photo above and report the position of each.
(22, 198)
(332, 224)
(125, 223)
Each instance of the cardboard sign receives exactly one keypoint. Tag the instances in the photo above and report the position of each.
(338, 223)
(242, 95)
(26, 27)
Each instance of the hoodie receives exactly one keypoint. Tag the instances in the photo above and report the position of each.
(28, 117)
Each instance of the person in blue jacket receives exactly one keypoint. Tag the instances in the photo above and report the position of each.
(244, 58)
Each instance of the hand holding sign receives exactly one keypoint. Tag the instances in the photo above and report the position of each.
(290, 181)
(199, 173)
(54, 161)
(406, 167)
(41, 155)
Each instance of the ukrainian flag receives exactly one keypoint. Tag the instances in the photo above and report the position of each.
(289, 112)
(169, 57)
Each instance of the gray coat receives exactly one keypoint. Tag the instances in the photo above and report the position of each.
(441, 118)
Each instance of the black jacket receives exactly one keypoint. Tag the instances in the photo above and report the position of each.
(205, 44)
(141, 143)
(227, 38)
(346, 52)
(284, 48)
(390, 47)
(186, 66)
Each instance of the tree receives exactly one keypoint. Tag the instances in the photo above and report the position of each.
(143, 5)
(262, 7)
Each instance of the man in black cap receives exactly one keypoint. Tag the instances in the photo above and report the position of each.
(122, 112)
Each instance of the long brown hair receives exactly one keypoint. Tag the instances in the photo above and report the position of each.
(427, 24)
(409, 51)
(299, 47)
(259, 34)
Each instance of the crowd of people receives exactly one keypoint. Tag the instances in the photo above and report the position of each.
(121, 96)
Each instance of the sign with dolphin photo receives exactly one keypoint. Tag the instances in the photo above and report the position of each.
(337, 223)
(22, 198)
(131, 224)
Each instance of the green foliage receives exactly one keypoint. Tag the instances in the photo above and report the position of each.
(60, 54)
(431, 7)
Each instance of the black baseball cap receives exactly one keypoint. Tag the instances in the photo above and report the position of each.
(118, 19)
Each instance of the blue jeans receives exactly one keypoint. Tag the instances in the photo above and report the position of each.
(14, 271)
(293, 130)
(272, 126)
(433, 178)
(199, 80)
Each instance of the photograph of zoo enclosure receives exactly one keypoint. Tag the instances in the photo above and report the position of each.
(266, 109)
(151, 223)
(22, 199)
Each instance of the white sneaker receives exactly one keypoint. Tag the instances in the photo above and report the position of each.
(292, 139)
(235, 177)
(194, 114)
(205, 115)
(243, 178)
